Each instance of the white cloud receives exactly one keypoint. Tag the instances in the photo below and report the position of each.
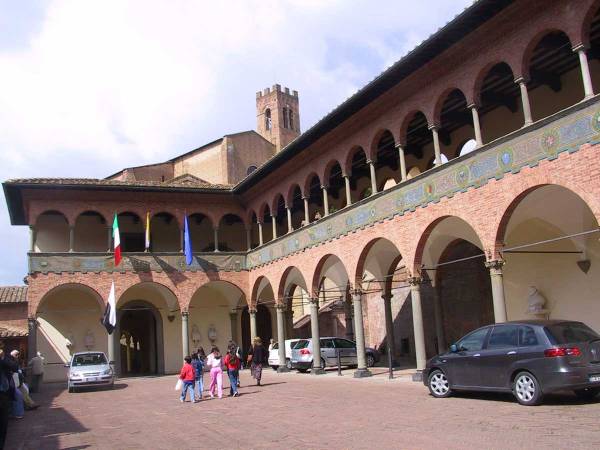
(107, 84)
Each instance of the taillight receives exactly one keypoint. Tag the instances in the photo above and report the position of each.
(562, 351)
(305, 351)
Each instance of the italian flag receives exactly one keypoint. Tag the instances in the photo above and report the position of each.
(116, 241)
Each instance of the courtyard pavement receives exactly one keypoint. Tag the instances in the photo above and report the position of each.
(300, 411)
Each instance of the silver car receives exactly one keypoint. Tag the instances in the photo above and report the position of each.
(89, 369)
(302, 353)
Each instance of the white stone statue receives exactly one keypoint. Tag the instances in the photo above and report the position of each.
(535, 300)
(89, 340)
(196, 336)
(212, 333)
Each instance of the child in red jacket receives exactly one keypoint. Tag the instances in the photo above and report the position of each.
(232, 362)
(187, 375)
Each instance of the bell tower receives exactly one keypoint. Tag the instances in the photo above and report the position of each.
(278, 115)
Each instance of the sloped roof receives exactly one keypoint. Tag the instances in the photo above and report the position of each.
(13, 294)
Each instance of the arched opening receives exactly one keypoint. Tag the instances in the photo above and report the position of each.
(419, 142)
(296, 299)
(555, 78)
(593, 53)
(387, 163)
(268, 122)
(164, 233)
(360, 177)
(564, 271)
(52, 232)
(267, 224)
(456, 124)
(232, 234)
(297, 205)
(201, 232)
(90, 232)
(131, 232)
(263, 327)
(68, 322)
(280, 216)
(500, 109)
(336, 197)
(285, 118)
(457, 286)
(254, 233)
(315, 198)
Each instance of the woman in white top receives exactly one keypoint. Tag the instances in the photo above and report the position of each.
(214, 362)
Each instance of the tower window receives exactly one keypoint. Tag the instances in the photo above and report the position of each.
(285, 118)
(291, 121)
(268, 123)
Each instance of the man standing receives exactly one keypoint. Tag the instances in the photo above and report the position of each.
(7, 367)
(37, 371)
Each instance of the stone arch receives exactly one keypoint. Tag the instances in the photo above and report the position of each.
(524, 68)
(308, 180)
(289, 198)
(288, 273)
(475, 88)
(52, 232)
(326, 173)
(373, 147)
(406, 122)
(258, 286)
(327, 260)
(275, 202)
(90, 234)
(441, 99)
(347, 167)
(365, 253)
(65, 285)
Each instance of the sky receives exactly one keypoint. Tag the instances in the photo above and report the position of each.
(90, 87)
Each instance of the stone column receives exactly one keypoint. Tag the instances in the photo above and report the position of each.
(495, 267)
(281, 337)
(402, 157)
(417, 313)
(289, 219)
(216, 238)
(436, 145)
(373, 176)
(252, 313)
(111, 349)
(361, 356)
(32, 238)
(233, 315)
(249, 238)
(389, 324)
(109, 237)
(31, 337)
(476, 125)
(316, 342)
(348, 319)
(525, 101)
(306, 215)
(260, 234)
(185, 333)
(585, 71)
(348, 192)
(274, 226)
(71, 238)
(325, 201)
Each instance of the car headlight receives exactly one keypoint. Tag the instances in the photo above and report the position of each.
(107, 372)
(74, 375)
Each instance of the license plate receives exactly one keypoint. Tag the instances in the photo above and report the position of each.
(92, 379)
(594, 378)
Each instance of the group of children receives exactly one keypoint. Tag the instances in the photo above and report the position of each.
(192, 372)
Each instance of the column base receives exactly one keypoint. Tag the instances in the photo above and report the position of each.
(418, 376)
(362, 373)
(282, 369)
(317, 371)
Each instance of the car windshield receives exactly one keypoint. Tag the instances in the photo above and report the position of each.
(89, 359)
(301, 344)
(565, 333)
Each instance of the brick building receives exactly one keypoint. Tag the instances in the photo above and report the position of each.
(459, 187)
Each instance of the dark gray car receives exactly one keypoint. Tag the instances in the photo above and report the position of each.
(527, 358)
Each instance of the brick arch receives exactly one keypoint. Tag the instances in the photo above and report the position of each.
(406, 121)
(122, 286)
(225, 213)
(281, 289)
(153, 214)
(212, 216)
(359, 265)
(347, 167)
(527, 52)
(326, 172)
(275, 201)
(254, 295)
(36, 300)
(290, 193)
(316, 277)
(502, 222)
(36, 216)
(249, 213)
(586, 24)
(436, 112)
(372, 150)
(477, 81)
(417, 255)
(79, 211)
(308, 179)
(261, 210)
(197, 286)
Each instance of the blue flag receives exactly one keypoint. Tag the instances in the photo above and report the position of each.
(187, 241)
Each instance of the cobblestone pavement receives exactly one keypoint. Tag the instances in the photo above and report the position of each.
(300, 411)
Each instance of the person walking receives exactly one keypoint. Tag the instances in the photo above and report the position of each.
(20, 384)
(7, 367)
(187, 376)
(259, 358)
(198, 366)
(232, 362)
(214, 363)
(37, 372)
(271, 344)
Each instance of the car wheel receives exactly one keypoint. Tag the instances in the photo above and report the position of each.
(438, 384)
(288, 363)
(587, 394)
(274, 368)
(527, 389)
(302, 370)
(370, 360)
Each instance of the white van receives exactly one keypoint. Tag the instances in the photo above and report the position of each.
(274, 354)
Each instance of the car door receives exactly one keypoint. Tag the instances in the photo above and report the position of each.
(461, 365)
(328, 352)
(497, 358)
(347, 351)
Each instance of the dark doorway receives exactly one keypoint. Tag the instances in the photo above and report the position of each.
(138, 341)
(263, 326)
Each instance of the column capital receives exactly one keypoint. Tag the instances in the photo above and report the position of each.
(370, 161)
(324, 186)
(415, 281)
(579, 47)
(400, 145)
(185, 313)
(473, 105)
(387, 296)
(233, 312)
(304, 197)
(521, 80)
(495, 264)
(313, 300)
(251, 310)
(433, 127)
(345, 175)
(280, 306)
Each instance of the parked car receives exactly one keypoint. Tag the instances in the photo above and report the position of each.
(528, 358)
(274, 354)
(302, 353)
(89, 369)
